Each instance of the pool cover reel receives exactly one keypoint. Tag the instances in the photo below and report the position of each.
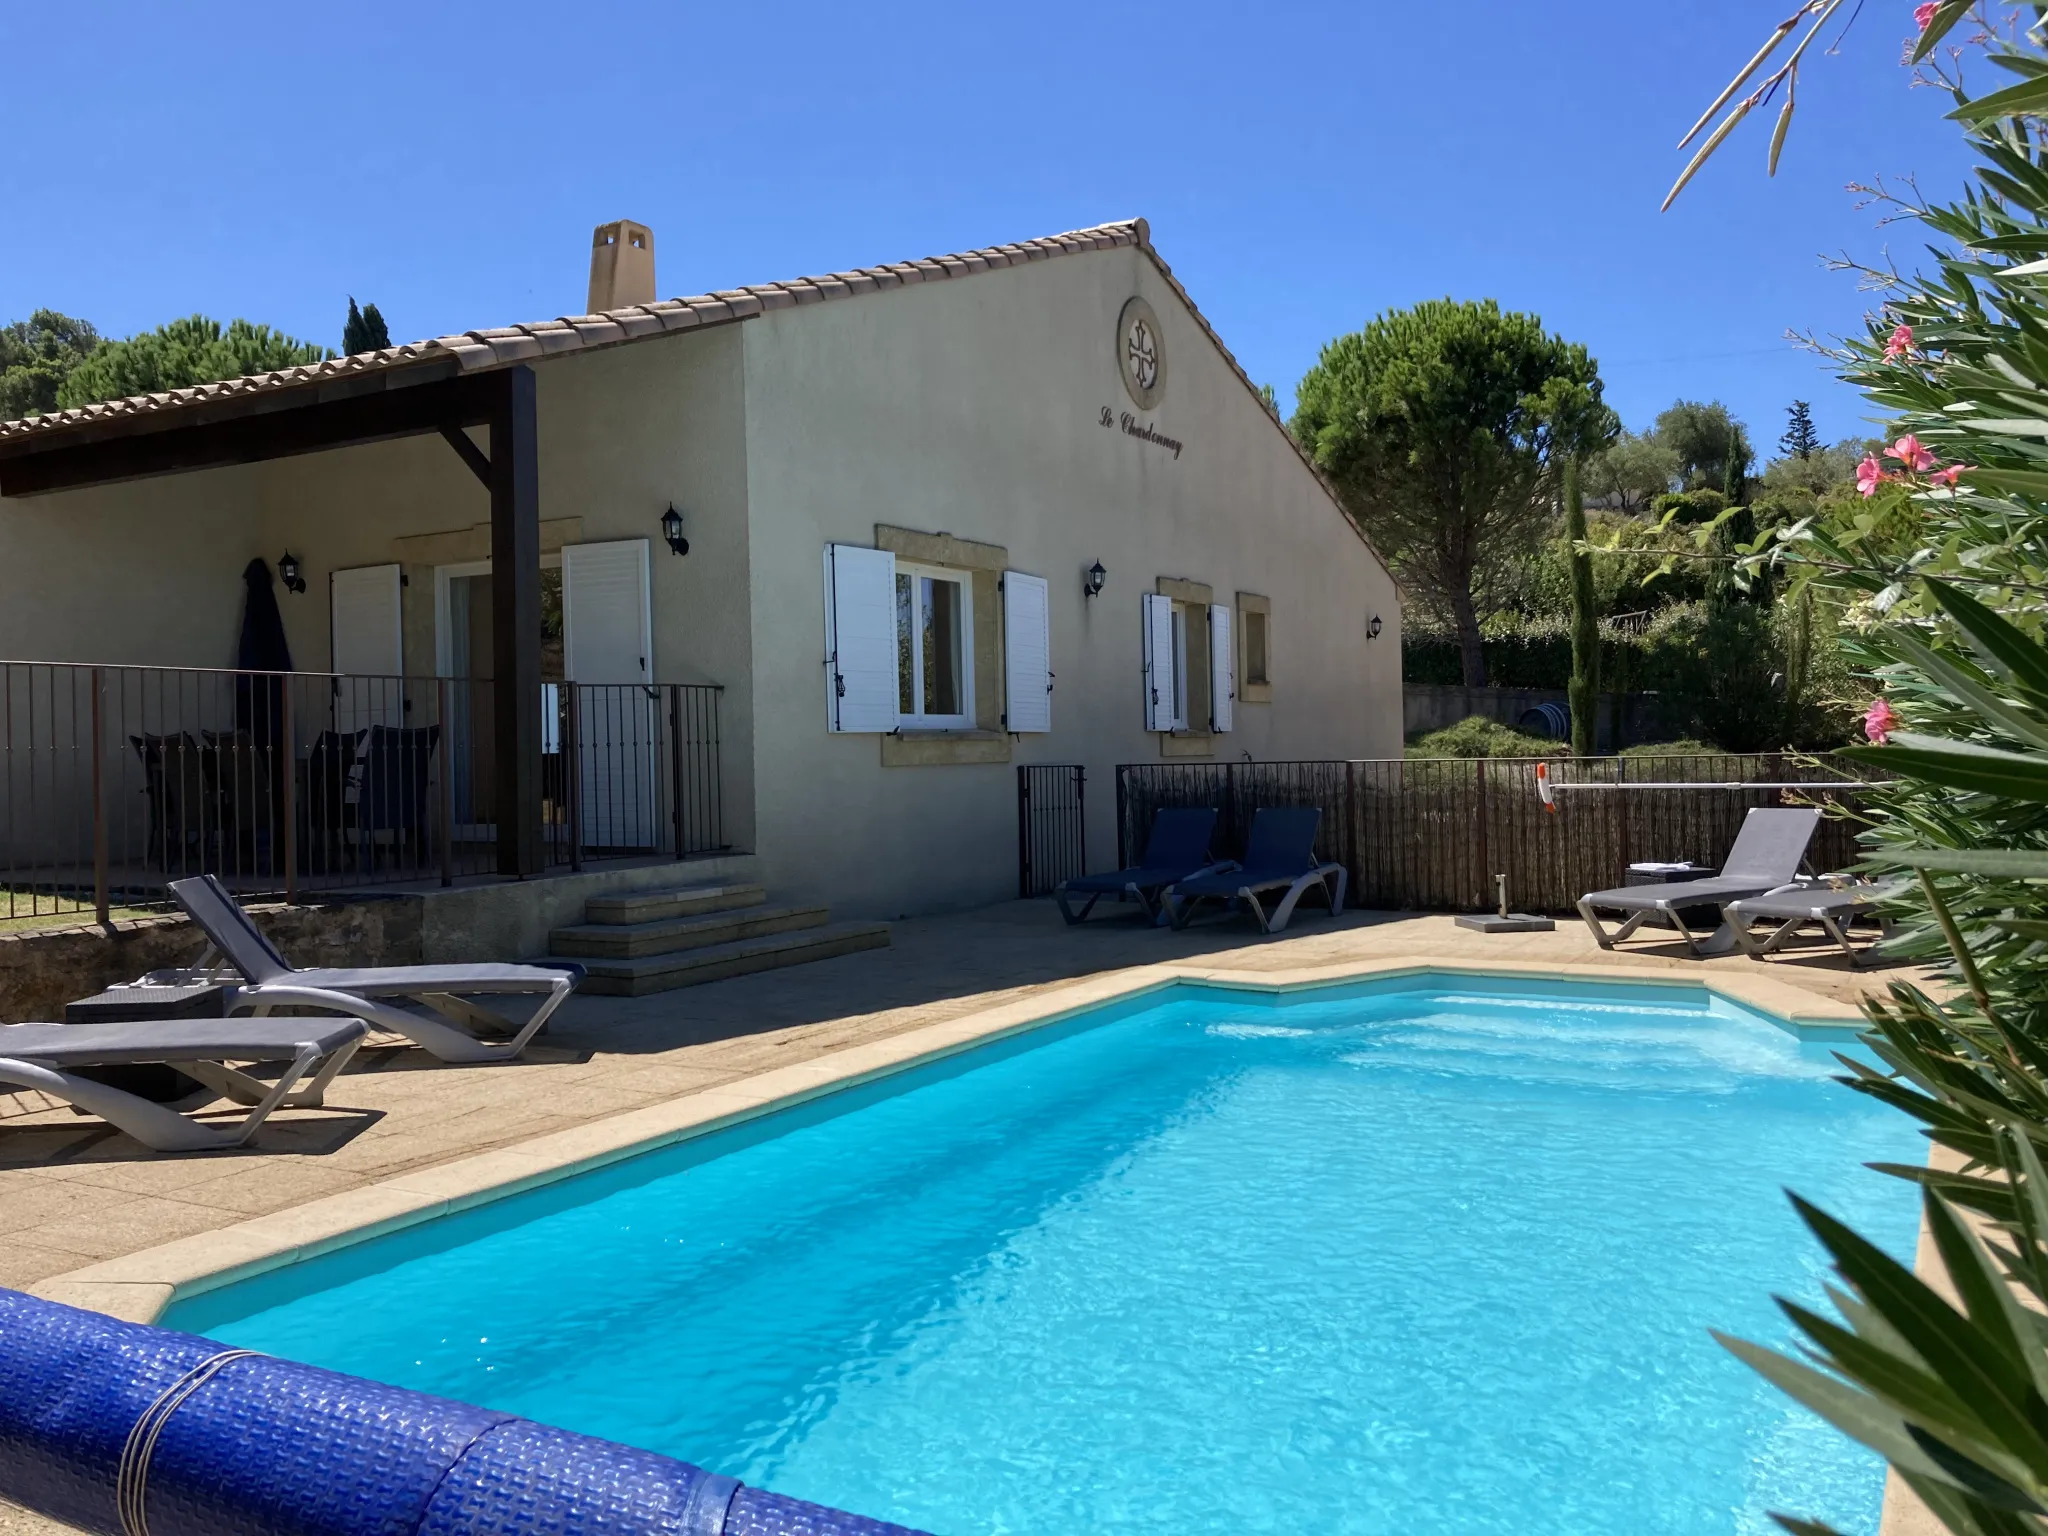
(125, 1430)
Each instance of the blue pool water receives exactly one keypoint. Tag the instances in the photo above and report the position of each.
(1438, 1257)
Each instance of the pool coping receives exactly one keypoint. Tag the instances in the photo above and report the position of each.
(138, 1287)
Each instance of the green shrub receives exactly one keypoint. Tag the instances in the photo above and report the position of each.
(1477, 736)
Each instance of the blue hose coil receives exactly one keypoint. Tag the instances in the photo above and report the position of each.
(269, 1447)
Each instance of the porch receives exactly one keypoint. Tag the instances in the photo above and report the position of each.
(116, 780)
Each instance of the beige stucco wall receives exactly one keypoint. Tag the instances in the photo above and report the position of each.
(973, 407)
(150, 572)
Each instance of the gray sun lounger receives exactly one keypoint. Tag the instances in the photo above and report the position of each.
(1279, 857)
(1833, 905)
(46, 1058)
(465, 1030)
(1766, 855)
(1176, 847)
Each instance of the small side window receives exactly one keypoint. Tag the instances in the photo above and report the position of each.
(1254, 648)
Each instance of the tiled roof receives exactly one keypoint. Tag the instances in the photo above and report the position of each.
(474, 351)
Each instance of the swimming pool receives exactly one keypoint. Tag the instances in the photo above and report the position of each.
(1430, 1255)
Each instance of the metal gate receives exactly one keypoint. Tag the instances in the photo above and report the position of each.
(1052, 826)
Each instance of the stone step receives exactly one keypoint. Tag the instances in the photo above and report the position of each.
(626, 941)
(640, 975)
(653, 906)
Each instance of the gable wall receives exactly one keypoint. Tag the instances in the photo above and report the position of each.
(974, 407)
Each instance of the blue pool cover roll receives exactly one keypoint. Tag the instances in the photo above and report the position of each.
(269, 1447)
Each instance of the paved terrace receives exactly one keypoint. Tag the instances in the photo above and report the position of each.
(73, 1192)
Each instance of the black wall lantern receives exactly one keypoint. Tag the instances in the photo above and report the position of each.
(288, 572)
(1092, 580)
(672, 530)
(1372, 627)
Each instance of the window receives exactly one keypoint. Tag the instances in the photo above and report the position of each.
(934, 619)
(1255, 648)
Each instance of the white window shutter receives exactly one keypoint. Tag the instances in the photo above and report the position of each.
(1027, 652)
(607, 636)
(1159, 684)
(860, 638)
(1222, 669)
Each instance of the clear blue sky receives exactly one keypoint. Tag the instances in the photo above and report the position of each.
(1304, 167)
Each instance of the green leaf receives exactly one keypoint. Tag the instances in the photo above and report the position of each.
(2029, 96)
(1988, 863)
(1968, 690)
(1946, 15)
(1960, 765)
(2007, 649)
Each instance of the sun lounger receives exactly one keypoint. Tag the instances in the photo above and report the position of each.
(271, 982)
(1833, 904)
(47, 1058)
(1280, 857)
(1766, 855)
(1177, 847)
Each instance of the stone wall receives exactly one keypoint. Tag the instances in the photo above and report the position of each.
(43, 969)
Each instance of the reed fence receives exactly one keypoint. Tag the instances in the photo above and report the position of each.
(1432, 834)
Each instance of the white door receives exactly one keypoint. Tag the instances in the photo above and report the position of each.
(608, 654)
(367, 648)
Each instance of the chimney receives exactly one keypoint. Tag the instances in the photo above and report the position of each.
(621, 266)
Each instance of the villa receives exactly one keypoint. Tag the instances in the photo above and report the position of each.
(825, 561)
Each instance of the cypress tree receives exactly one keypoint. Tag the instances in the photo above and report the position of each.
(1584, 692)
(364, 331)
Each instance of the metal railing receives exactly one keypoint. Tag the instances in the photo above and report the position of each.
(1052, 826)
(115, 780)
(1431, 834)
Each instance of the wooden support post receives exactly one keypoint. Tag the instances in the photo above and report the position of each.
(515, 621)
(100, 904)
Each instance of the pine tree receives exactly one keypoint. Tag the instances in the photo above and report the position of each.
(1584, 692)
(1800, 440)
(364, 330)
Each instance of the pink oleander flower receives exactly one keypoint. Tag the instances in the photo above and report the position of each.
(1907, 451)
(1900, 344)
(1923, 14)
(1870, 475)
(1879, 721)
(1948, 476)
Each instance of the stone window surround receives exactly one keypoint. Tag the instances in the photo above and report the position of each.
(984, 564)
(1195, 596)
(1249, 692)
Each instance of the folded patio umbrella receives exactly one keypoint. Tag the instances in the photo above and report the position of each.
(124, 1430)
(259, 705)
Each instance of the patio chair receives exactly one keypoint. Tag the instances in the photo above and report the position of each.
(271, 982)
(330, 775)
(1766, 855)
(1279, 856)
(1833, 904)
(49, 1058)
(180, 811)
(392, 797)
(1177, 846)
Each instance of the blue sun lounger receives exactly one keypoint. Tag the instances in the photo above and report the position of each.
(1178, 846)
(1280, 857)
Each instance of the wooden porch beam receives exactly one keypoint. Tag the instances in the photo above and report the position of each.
(515, 619)
(285, 428)
(465, 446)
